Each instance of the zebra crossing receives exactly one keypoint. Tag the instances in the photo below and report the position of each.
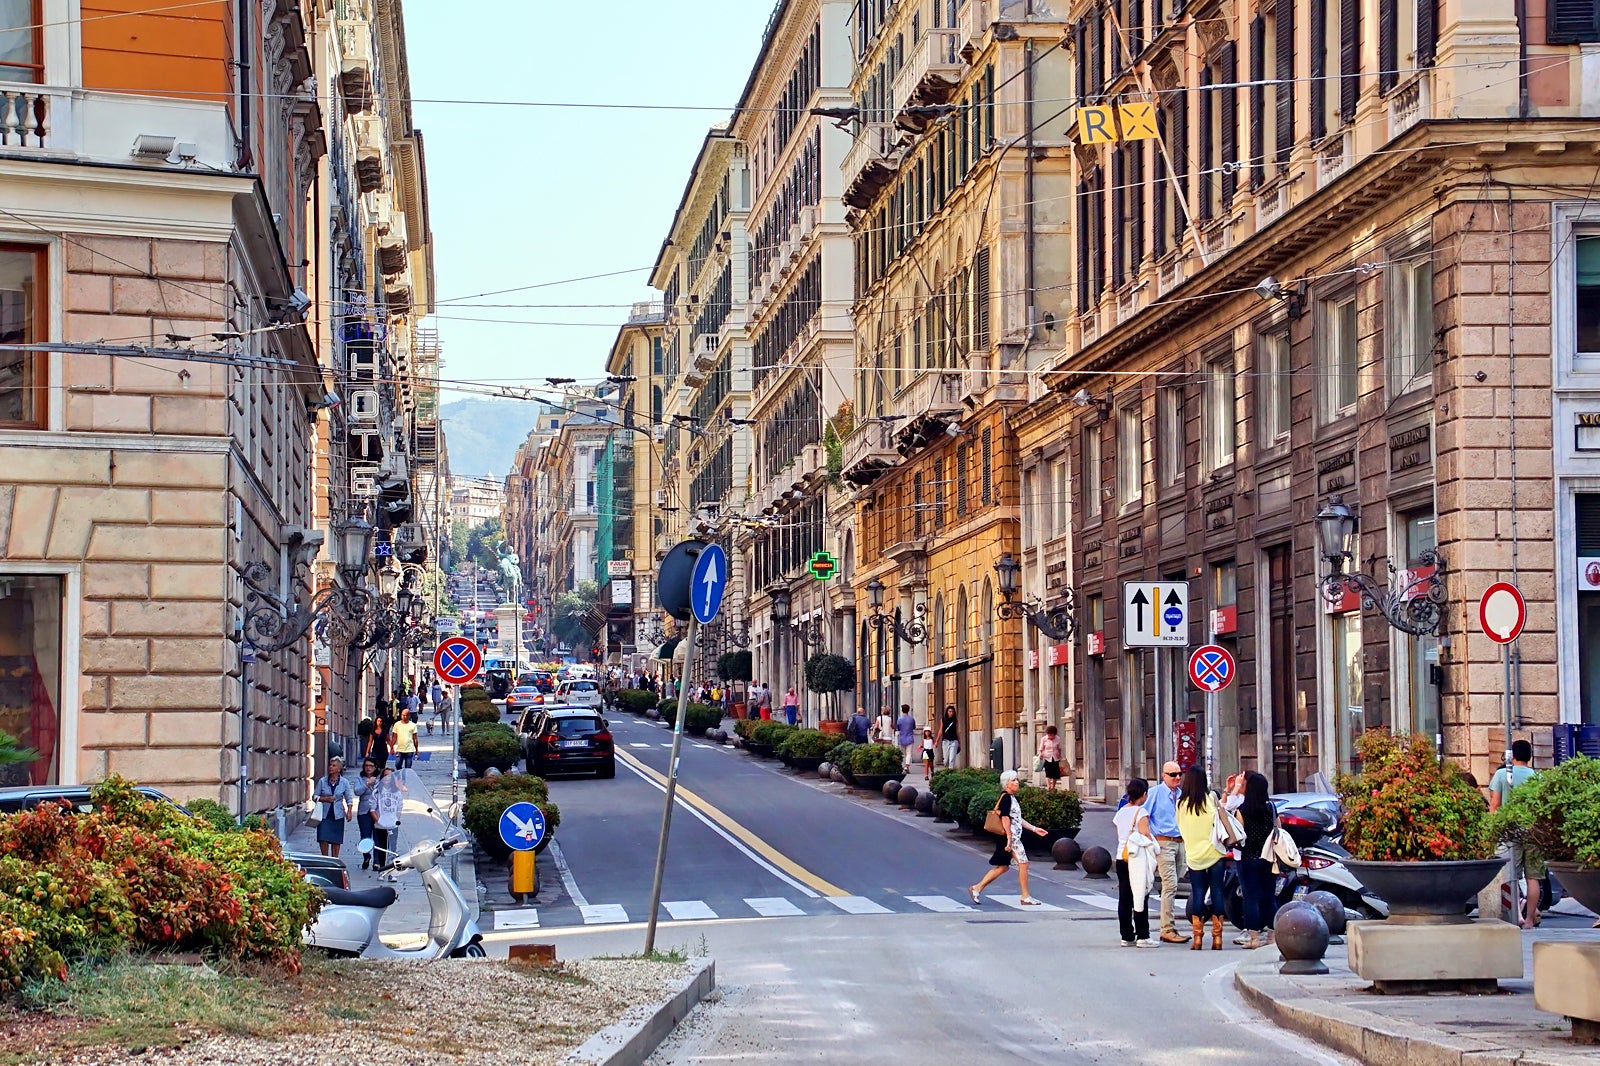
(693, 910)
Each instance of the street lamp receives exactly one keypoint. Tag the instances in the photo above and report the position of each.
(914, 632)
(1414, 600)
(355, 542)
(810, 632)
(780, 604)
(1057, 623)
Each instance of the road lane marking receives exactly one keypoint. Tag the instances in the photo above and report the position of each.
(520, 918)
(1105, 903)
(773, 907)
(858, 905)
(664, 745)
(939, 904)
(754, 848)
(568, 882)
(1015, 903)
(688, 910)
(603, 914)
(638, 744)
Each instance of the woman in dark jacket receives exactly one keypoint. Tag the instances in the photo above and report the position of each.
(1256, 879)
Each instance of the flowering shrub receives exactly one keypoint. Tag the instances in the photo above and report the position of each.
(1408, 806)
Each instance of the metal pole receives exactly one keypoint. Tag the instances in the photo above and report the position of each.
(1505, 660)
(672, 786)
(244, 729)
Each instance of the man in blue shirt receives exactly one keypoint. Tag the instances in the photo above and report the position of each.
(1163, 807)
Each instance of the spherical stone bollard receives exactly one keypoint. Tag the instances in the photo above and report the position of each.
(891, 792)
(838, 776)
(908, 797)
(1331, 907)
(1066, 852)
(1096, 864)
(925, 804)
(1302, 938)
(825, 771)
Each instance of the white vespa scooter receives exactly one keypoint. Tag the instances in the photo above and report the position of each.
(348, 923)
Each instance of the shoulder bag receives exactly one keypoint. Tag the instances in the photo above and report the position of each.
(992, 822)
(1226, 832)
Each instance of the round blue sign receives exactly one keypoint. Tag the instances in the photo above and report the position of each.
(1173, 616)
(522, 827)
(708, 582)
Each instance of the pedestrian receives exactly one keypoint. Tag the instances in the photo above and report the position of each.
(765, 701)
(927, 754)
(405, 741)
(1197, 814)
(1009, 851)
(338, 801)
(855, 730)
(1163, 809)
(388, 799)
(365, 795)
(1529, 868)
(791, 706)
(1050, 757)
(949, 735)
(378, 743)
(1137, 857)
(905, 734)
(411, 701)
(1257, 881)
(436, 696)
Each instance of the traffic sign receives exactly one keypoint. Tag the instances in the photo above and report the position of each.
(1212, 668)
(673, 579)
(1502, 612)
(522, 827)
(1155, 614)
(457, 660)
(708, 582)
(823, 566)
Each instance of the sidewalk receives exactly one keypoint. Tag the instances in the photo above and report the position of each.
(427, 786)
(1458, 1030)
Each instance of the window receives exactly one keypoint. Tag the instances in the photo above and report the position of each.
(1573, 21)
(1349, 711)
(1091, 472)
(1130, 456)
(1422, 652)
(21, 51)
(1169, 440)
(30, 675)
(1340, 374)
(1588, 294)
(22, 321)
(1272, 385)
(1410, 325)
(1061, 504)
(1219, 412)
(656, 355)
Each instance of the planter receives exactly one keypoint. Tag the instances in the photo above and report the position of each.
(1041, 845)
(738, 710)
(849, 777)
(831, 727)
(763, 750)
(807, 764)
(875, 782)
(1579, 882)
(1426, 893)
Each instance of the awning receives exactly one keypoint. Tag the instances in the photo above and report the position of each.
(668, 646)
(950, 666)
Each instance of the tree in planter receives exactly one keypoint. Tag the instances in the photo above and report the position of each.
(735, 666)
(830, 675)
(1408, 805)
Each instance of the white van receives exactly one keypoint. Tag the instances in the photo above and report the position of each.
(578, 692)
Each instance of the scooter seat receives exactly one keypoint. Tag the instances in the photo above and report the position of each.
(377, 898)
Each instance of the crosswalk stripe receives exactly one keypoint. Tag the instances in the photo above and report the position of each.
(518, 918)
(857, 905)
(638, 744)
(666, 745)
(940, 904)
(688, 910)
(604, 914)
(1105, 903)
(773, 907)
(1015, 902)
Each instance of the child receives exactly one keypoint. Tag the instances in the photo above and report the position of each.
(927, 754)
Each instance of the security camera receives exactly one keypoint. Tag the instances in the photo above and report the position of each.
(1081, 398)
(952, 430)
(1269, 288)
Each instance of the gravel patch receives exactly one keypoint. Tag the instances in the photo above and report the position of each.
(476, 1011)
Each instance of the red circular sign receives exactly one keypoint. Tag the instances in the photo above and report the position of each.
(457, 660)
(1502, 612)
(1212, 668)
(1591, 574)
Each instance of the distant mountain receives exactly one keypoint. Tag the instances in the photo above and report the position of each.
(483, 435)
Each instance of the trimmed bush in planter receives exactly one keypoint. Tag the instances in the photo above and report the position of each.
(979, 806)
(667, 707)
(871, 759)
(476, 708)
(487, 799)
(1057, 812)
(743, 727)
(841, 753)
(496, 745)
(955, 788)
(771, 734)
(636, 700)
(701, 717)
(805, 744)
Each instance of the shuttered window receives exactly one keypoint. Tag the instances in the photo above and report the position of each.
(1178, 131)
(1283, 76)
(1570, 21)
(1258, 101)
(1136, 207)
(1084, 250)
(1349, 58)
(1097, 220)
(917, 512)
(981, 298)
(1080, 52)
(1319, 69)
(962, 474)
(1229, 137)
(1388, 44)
(1119, 212)
(988, 465)
(1097, 58)
(1158, 192)
(1135, 26)
(1428, 30)
(1588, 523)
(1208, 162)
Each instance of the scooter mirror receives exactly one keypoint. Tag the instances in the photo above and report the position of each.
(365, 847)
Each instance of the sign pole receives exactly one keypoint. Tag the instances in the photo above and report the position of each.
(1505, 662)
(672, 785)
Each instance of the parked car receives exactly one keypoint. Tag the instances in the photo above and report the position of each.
(579, 693)
(543, 681)
(522, 697)
(567, 740)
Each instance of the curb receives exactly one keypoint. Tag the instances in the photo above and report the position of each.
(1373, 1039)
(631, 1043)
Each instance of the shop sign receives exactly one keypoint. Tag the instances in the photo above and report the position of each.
(1224, 620)
(1589, 573)
(1033, 659)
(1587, 431)
(1095, 643)
(1060, 654)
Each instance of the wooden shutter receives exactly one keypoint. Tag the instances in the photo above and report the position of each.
(981, 298)
(1136, 208)
(1119, 207)
(1083, 246)
(1319, 69)
(1568, 22)
(1179, 142)
(1283, 75)
(1258, 101)
(1097, 55)
(1159, 187)
(1230, 122)
(1428, 30)
(988, 465)
(916, 513)
(1208, 175)
(1135, 27)
(1388, 50)
(1117, 48)
(1099, 220)
(962, 474)
(1080, 53)
(1349, 58)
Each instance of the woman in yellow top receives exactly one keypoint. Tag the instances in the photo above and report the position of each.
(1197, 810)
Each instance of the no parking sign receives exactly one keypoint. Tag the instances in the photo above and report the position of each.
(1211, 668)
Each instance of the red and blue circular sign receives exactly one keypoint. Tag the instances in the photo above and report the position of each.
(457, 660)
(1212, 668)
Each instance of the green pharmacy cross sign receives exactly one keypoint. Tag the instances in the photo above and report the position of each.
(823, 566)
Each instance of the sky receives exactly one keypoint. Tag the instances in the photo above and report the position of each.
(524, 196)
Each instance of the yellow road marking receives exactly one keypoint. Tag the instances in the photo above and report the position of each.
(747, 838)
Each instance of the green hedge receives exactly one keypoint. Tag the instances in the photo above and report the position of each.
(806, 744)
(745, 727)
(970, 776)
(1055, 812)
(476, 708)
(701, 717)
(636, 700)
(841, 753)
(877, 759)
(668, 706)
(771, 733)
(981, 803)
(496, 745)
(954, 790)
(488, 798)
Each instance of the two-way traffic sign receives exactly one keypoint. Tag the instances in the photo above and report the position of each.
(1155, 614)
(708, 583)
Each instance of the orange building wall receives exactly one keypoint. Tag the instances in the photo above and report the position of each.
(180, 52)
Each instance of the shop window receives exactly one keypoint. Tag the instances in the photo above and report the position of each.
(1224, 705)
(22, 321)
(1410, 322)
(1346, 707)
(1419, 531)
(30, 675)
(1587, 302)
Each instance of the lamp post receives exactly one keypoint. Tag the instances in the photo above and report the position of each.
(1057, 623)
(885, 623)
(1413, 601)
(780, 617)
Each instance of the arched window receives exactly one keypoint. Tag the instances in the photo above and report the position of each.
(962, 623)
(938, 628)
(986, 619)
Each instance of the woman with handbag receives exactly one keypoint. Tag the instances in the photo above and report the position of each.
(1049, 757)
(1257, 878)
(336, 801)
(366, 794)
(1137, 858)
(1005, 821)
(1198, 813)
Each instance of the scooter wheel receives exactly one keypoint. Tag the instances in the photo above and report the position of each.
(471, 951)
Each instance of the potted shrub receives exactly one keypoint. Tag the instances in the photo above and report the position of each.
(875, 765)
(840, 755)
(805, 749)
(487, 799)
(636, 700)
(766, 736)
(1059, 813)
(984, 797)
(476, 709)
(1417, 831)
(701, 717)
(1556, 817)
(486, 745)
(735, 666)
(830, 675)
(953, 790)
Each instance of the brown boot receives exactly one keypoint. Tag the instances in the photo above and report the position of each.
(1199, 927)
(1216, 932)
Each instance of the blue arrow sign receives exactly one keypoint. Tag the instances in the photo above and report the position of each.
(709, 582)
(522, 827)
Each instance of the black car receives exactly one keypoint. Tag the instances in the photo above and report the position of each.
(567, 740)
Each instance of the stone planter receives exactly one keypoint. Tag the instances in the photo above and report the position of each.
(1426, 893)
(1579, 882)
(831, 727)
(807, 764)
(1564, 983)
(875, 782)
(763, 750)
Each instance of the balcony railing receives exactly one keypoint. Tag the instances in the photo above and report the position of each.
(35, 118)
(869, 452)
(873, 144)
(935, 394)
(1410, 103)
(932, 70)
(1333, 157)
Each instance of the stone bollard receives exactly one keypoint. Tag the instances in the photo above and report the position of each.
(825, 771)
(1302, 938)
(925, 804)
(891, 791)
(1066, 852)
(908, 796)
(1331, 907)
(1096, 864)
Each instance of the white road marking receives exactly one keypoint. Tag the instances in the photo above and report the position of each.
(1015, 902)
(638, 744)
(520, 918)
(1105, 903)
(568, 882)
(668, 746)
(941, 904)
(686, 910)
(773, 907)
(857, 905)
(603, 913)
(1224, 996)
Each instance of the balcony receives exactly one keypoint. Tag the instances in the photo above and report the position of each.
(935, 397)
(870, 164)
(33, 117)
(868, 453)
(1333, 157)
(705, 355)
(1410, 103)
(976, 18)
(355, 65)
(931, 73)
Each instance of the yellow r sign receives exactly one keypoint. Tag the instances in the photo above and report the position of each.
(1095, 125)
(1138, 121)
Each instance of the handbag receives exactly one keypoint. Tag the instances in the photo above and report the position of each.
(1226, 832)
(1038, 763)
(992, 822)
(1280, 850)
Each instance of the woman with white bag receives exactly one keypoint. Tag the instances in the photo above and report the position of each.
(1201, 819)
(1137, 856)
(1257, 874)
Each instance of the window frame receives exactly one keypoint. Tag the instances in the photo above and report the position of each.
(36, 24)
(1219, 410)
(1329, 369)
(1408, 370)
(1275, 395)
(1091, 462)
(1130, 461)
(1170, 439)
(37, 376)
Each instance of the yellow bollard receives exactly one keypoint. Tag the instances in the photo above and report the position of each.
(522, 877)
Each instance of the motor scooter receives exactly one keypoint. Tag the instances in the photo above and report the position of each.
(348, 923)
